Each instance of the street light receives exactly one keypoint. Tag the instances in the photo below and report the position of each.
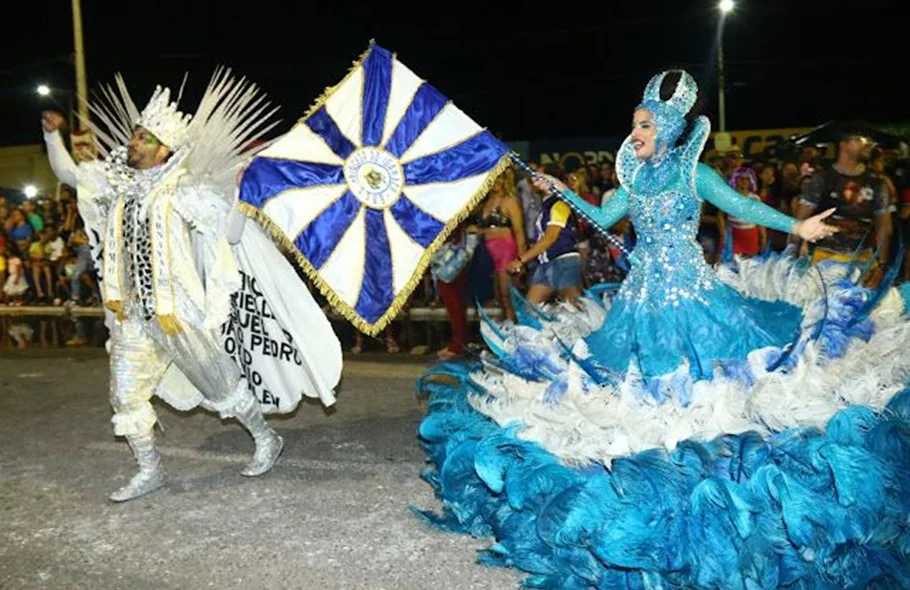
(48, 93)
(726, 7)
(31, 191)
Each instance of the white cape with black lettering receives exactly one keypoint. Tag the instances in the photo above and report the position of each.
(277, 334)
(288, 348)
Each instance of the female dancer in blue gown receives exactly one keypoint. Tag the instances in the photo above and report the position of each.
(671, 308)
(738, 427)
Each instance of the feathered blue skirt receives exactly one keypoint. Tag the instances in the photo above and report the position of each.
(819, 503)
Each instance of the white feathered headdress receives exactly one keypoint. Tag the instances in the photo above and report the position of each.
(231, 115)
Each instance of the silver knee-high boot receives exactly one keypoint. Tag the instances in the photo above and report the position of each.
(268, 444)
(151, 475)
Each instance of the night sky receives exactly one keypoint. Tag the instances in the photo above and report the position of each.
(558, 70)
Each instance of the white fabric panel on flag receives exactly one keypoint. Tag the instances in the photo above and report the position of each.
(301, 142)
(406, 253)
(404, 86)
(293, 210)
(344, 106)
(443, 200)
(345, 267)
(450, 127)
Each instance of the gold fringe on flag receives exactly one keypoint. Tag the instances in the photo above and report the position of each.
(342, 307)
(330, 90)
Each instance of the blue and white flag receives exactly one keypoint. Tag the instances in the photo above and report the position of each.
(369, 184)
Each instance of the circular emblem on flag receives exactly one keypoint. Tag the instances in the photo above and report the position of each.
(374, 177)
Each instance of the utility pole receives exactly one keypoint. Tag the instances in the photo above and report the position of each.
(81, 81)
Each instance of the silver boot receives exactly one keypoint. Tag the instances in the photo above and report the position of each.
(268, 444)
(151, 475)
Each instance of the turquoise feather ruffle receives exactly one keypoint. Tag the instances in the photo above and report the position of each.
(802, 509)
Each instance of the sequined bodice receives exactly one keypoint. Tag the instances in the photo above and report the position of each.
(666, 215)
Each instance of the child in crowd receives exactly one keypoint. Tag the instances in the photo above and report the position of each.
(747, 238)
(15, 286)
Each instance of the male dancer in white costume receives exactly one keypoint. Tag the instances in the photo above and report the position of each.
(161, 202)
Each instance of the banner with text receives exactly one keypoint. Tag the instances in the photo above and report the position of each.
(570, 153)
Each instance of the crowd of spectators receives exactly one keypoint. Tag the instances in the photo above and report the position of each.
(45, 258)
(519, 238)
(530, 242)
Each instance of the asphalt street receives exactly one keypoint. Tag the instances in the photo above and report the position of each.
(333, 513)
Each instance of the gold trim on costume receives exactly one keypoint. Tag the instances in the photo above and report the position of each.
(159, 213)
(112, 263)
(154, 245)
(169, 323)
(116, 306)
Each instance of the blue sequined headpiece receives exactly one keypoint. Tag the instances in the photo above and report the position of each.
(670, 114)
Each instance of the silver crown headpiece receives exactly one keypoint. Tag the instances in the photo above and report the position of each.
(164, 121)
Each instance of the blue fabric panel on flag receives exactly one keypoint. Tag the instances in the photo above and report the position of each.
(266, 178)
(377, 84)
(322, 124)
(476, 155)
(420, 225)
(423, 109)
(318, 240)
(376, 291)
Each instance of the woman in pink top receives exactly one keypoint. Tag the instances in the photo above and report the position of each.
(502, 224)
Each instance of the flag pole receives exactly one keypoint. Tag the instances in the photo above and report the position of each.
(516, 159)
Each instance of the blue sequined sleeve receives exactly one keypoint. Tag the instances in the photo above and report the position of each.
(606, 216)
(712, 188)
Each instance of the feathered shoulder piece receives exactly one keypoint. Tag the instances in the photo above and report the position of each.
(232, 115)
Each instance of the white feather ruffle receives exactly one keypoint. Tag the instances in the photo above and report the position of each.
(593, 423)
